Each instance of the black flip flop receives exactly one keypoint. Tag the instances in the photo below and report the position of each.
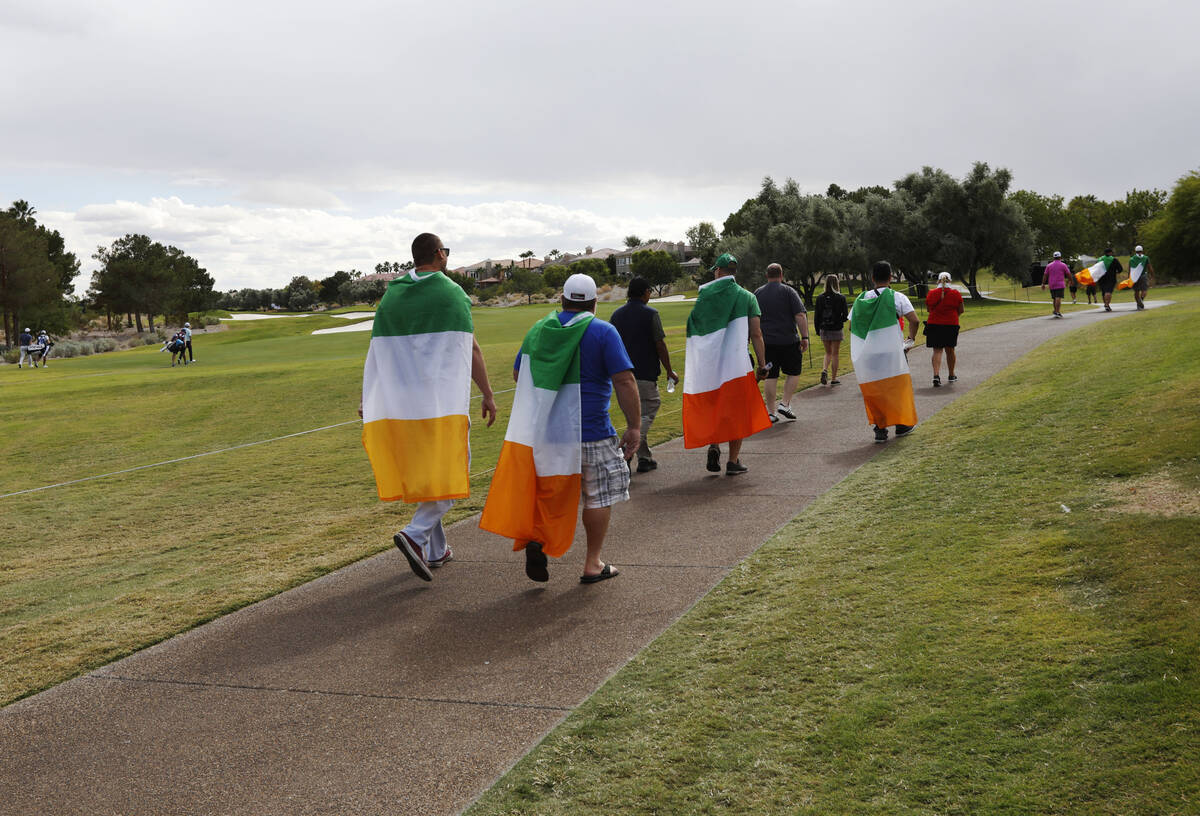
(602, 575)
(535, 563)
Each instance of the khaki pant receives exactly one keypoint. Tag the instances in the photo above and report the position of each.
(648, 391)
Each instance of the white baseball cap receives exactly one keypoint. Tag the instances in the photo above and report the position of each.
(1057, 254)
(1137, 248)
(943, 276)
(580, 287)
(187, 325)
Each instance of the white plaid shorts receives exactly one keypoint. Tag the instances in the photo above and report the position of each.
(605, 473)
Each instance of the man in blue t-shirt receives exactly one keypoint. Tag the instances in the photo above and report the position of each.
(25, 341)
(604, 365)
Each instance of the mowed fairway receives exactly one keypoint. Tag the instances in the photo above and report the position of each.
(94, 570)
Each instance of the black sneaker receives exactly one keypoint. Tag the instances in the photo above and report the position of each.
(734, 468)
(880, 435)
(714, 460)
(904, 430)
(824, 377)
(535, 563)
(416, 558)
(646, 465)
(952, 378)
(937, 381)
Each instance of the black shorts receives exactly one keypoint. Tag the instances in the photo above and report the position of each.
(786, 358)
(1107, 284)
(1056, 293)
(938, 335)
(1142, 285)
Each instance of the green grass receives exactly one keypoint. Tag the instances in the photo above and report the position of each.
(93, 571)
(935, 634)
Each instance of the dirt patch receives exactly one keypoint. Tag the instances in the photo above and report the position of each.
(1156, 493)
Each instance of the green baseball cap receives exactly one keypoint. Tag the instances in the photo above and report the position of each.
(724, 261)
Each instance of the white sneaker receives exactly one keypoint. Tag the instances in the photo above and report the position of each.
(785, 411)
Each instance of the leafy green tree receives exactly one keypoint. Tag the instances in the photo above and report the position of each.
(976, 223)
(29, 281)
(594, 267)
(301, 293)
(465, 282)
(555, 275)
(1051, 225)
(632, 241)
(525, 282)
(704, 239)
(1131, 215)
(1172, 238)
(660, 269)
(1093, 222)
(331, 285)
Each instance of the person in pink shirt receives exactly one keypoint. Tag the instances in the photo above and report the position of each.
(1056, 275)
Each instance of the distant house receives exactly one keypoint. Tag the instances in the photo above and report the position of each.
(489, 270)
(680, 250)
(381, 276)
(569, 258)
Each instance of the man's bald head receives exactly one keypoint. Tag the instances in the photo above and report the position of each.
(774, 272)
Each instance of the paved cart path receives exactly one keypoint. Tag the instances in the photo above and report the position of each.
(369, 692)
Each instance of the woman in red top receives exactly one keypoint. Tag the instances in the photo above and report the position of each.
(945, 304)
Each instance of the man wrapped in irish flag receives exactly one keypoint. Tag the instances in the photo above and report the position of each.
(1103, 273)
(878, 352)
(721, 400)
(560, 442)
(1140, 271)
(416, 400)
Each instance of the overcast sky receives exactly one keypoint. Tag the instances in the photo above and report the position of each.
(270, 139)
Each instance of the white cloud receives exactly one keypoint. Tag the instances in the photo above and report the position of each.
(266, 247)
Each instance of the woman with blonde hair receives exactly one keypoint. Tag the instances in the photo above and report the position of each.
(831, 312)
(945, 304)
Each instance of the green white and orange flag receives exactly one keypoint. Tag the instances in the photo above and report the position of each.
(417, 390)
(1137, 268)
(880, 366)
(721, 400)
(535, 490)
(1095, 272)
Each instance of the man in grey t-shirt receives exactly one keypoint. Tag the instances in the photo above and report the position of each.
(783, 313)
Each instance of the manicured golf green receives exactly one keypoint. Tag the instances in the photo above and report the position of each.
(1001, 615)
(97, 569)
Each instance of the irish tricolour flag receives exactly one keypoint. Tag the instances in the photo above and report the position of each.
(877, 353)
(417, 390)
(1137, 268)
(1095, 272)
(535, 490)
(721, 400)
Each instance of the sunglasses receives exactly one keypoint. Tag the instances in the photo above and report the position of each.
(446, 250)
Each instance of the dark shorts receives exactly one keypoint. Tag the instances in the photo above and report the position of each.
(940, 336)
(1107, 284)
(786, 357)
(1142, 285)
(1056, 293)
(1074, 287)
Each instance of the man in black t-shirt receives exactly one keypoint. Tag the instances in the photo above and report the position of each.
(783, 312)
(642, 333)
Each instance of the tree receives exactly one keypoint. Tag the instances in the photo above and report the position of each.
(526, 254)
(594, 267)
(28, 280)
(139, 276)
(977, 225)
(465, 282)
(660, 269)
(525, 282)
(1172, 238)
(1131, 215)
(1052, 228)
(555, 275)
(632, 241)
(704, 239)
(331, 285)
(300, 294)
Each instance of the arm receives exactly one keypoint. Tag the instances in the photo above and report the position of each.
(631, 406)
(802, 326)
(1149, 274)
(664, 357)
(911, 321)
(480, 376)
(760, 350)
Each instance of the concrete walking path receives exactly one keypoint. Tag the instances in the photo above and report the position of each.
(368, 691)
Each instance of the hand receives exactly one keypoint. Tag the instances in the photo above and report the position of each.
(360, 416)
(762, 371)
(804, 344)
(1043, 287)
(908, 344)
(630, 441)
(489, 410)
